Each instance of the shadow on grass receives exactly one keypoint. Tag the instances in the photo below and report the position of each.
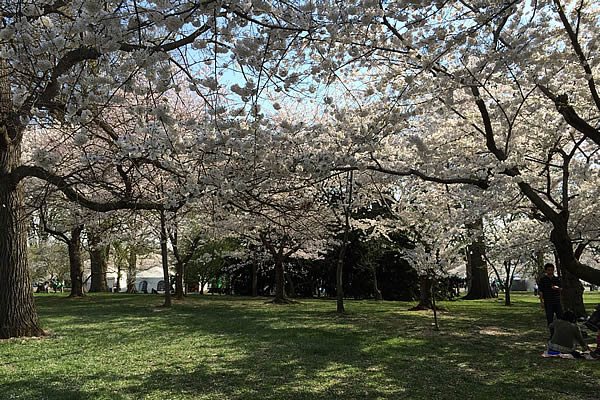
(238, 348)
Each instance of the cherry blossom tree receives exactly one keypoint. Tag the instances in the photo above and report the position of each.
(58, 67)
(70, 64)
(481, 75)
(514, 240)
(70, 233)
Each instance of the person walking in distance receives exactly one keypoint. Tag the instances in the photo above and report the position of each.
(549, 291)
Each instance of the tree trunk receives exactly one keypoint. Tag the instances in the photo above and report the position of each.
(425, 298)
(280, 296)
(165, 261)
(119, 274)
(434, 306)
(131, 270)
(290, 282)
(479, 282)
(254, 279)
(571, 295)
(339, 275)
(18, 316)
(98, 264)
(507, 294)
(180, 270)
(376, 291)
(202, 283)
(75, 264)
(509, 271)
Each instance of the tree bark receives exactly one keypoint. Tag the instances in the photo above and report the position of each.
(18, 316)
(119, 274)
(509, 272)
(507, 301)
(425, 298)
(98, 264)
(339, 276)
(254, 279)
(202, 283)
(376, 291)
(571, 295)
(180, 270)
(280, 296)
(75, 264)
(567, 265)
(479, 282)
(165, 262)
(291, 286)
(339, 273)
(131, 270)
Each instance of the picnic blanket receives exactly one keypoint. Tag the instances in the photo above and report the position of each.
(557, 354)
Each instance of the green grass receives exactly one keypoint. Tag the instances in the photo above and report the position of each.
(124, 347)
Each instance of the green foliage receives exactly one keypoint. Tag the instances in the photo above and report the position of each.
(365, 255)
(210, 258)
(48, 258)
(217, 347)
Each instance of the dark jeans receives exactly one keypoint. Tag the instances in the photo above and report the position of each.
(552, 309)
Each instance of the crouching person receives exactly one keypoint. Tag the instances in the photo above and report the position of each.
(593, 323)
(566, 336)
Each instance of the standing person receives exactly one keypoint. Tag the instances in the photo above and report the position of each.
(549, 290)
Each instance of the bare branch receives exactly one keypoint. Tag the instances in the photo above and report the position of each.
(570, 115)
(66, 188)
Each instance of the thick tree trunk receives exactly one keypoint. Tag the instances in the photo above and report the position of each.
(280, 296)
(425, 298)
(98, 263)
(75, 264)
(131, 270)
(571, 295)
(479, 282)
(567, 265)
(254, 279)
(18, 316)
(165, 261)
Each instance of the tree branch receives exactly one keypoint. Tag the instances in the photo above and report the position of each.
(490, 141)
(66, 188)
(481, 183)
(579, 51)
(570, 115)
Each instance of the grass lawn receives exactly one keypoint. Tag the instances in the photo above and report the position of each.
(116, 346)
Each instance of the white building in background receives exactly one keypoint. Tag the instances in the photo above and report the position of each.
(522, 284)
(149, 275)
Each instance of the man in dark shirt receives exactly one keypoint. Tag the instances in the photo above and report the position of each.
(549, 290)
